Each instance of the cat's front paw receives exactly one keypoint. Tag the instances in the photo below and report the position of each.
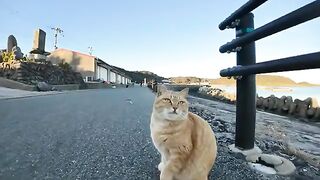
(161, 166)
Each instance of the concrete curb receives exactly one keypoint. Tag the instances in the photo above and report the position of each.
(16, 85)
(48, 93)
(29, 96)
(66, 87)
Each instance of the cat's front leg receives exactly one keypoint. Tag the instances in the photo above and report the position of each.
(162, 163)
(171, 168)
(166, 174)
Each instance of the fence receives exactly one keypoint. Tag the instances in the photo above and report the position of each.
(247, 68)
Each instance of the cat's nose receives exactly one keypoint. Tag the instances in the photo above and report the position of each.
(174, 109)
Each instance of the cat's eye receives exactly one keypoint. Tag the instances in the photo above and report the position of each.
(166, 100)
(181, 102)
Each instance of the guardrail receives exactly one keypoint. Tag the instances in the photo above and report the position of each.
(247, 68)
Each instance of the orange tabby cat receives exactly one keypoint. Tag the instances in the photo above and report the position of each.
(185, 141)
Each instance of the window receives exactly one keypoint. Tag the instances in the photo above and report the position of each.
(89, 78)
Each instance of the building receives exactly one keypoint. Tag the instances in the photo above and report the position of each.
(108, 73)
(90, 67)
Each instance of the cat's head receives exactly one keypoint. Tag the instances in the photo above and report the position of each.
(171, 105)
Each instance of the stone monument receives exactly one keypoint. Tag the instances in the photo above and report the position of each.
(38, 52)
(12, 46)
(17, 54)
(12, 42)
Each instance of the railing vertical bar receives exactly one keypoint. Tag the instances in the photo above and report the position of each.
(246, 90)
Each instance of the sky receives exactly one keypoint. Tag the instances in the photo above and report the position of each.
(169, 38)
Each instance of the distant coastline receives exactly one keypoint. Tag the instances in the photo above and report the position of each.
(276, 89)
(271, 82)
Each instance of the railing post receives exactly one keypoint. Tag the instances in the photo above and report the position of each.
(246, 89)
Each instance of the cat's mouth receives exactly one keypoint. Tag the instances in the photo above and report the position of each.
(173, 112)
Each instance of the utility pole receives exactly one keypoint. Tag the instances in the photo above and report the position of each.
(56, 32)
(90, 50)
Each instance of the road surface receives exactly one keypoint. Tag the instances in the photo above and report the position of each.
(104, 134)
(96, 134)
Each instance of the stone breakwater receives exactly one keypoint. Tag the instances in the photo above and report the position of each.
(307, 109)
(34, 72)
(278, 135)
(285, 105)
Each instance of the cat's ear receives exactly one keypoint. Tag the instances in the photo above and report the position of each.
(184, 92)
(161, 89)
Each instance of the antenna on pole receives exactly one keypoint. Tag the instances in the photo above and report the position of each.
(57, 31)
(90, 48)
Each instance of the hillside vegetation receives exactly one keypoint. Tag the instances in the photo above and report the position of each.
(138, 76)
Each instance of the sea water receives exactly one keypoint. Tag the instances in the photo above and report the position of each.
(301, 93)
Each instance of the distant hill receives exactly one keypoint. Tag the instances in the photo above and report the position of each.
(138, 76)
(223, 80)
(307, 84)
(261, 80)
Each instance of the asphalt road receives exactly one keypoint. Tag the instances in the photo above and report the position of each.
(104, 134)
(95, 134)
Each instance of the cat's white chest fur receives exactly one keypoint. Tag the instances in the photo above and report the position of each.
(156, 127)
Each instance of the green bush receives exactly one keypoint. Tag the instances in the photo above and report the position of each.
(7, 57)
(64, 65)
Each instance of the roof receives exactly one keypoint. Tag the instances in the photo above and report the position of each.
(112, 68)
(100, 61)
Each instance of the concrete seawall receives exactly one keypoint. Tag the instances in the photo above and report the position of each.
(177, 87)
